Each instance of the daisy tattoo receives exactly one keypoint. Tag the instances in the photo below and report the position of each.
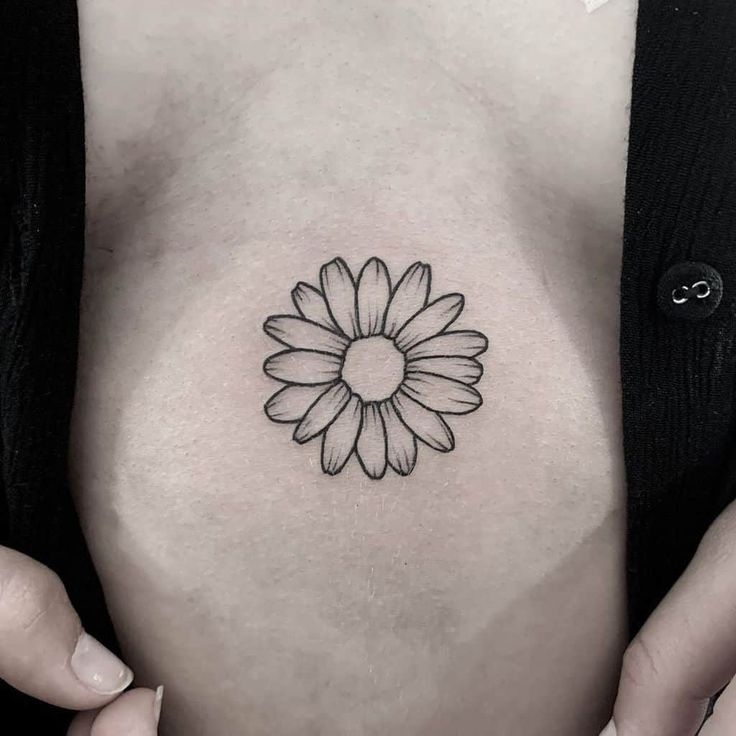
(372, 369)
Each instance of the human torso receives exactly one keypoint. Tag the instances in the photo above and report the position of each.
(233, 150)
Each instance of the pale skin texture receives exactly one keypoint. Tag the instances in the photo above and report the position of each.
(233, 151)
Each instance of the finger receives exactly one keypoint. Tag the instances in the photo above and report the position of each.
(723, 720)
(135, 713)
(138, 706)
(686, 651)
(44, 651)
(81, 725)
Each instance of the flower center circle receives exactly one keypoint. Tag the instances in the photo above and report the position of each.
(373, 368)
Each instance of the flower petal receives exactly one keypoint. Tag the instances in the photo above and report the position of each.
(464, 343)
(339, 440)
(427, 425)
(324, 411)
(299, 333)
(374, 291)
(339, 290)
(372, 442)
(465, 370)
(430, 321)
(411, 295)
(441, 394)
(311, 304)
(292, 402)
(303, 367)
(401, 445)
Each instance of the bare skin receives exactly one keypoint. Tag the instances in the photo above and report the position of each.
(46, 653)
(231, 153)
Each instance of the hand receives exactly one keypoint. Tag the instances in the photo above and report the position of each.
(45, 653)
(686, 651)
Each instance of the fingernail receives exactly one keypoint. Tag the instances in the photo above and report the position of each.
(610, 729)
(157, 703)
(98, 668)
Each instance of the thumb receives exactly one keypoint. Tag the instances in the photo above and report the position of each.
(44, 651)
(686, 651)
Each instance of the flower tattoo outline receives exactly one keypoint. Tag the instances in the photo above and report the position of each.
(372, 368)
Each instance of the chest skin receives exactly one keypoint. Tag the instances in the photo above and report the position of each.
(232, 152)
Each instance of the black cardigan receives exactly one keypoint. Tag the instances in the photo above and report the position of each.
(678, 296)
(678, 360)
(41, 248)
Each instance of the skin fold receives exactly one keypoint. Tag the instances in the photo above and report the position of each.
(234, 150)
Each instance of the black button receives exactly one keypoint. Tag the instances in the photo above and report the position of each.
(691, 291)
